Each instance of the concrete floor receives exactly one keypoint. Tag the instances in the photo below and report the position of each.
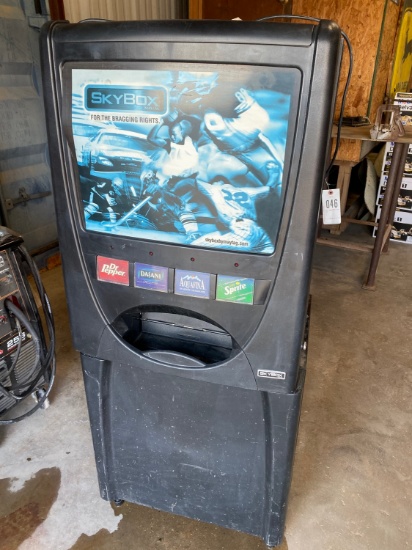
(351, 487)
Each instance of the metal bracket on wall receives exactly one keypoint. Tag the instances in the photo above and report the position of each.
(25, 197)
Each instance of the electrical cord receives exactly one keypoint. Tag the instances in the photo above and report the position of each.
(22, 320)
(44, 301)
(345, 91)
(44, 362)
(15, 358)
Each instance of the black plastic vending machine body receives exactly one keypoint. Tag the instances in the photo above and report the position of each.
(187, 160)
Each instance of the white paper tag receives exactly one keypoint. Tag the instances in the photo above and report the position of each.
(331, 206)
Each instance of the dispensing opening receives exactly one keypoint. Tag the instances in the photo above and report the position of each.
(175, 337)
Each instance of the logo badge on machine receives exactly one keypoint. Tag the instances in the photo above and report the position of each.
(144, 99)
(110, 270)
(275, 374)
(152, 277)
(192, 283)
(235, 289)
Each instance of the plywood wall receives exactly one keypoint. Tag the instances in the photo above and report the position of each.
(120, 10)
(371, 27)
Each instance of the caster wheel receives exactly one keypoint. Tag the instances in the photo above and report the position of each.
(38, 395)
(118, 502)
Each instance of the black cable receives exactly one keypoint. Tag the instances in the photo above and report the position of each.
(25, 387)
(17, 312)
(44, 299)
(40, 402)
(17, 352)
(44, 362)
(345, 91)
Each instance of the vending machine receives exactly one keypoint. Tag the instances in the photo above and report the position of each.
(187, 160)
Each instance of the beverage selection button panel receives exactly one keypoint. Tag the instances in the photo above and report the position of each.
(110, 270)
(224, 288)
(151, 277)
(235, 289)
(192, 283)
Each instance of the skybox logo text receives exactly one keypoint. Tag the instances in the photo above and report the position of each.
(150, 99)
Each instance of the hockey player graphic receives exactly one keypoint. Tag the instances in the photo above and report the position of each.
(233, 202)
(180, 159)
(236, 211)
(244, 137)
(107, 199)
(167, 210)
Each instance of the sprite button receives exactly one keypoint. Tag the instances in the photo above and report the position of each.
(235, 289)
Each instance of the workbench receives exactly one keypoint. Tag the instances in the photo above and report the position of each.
(389, 204)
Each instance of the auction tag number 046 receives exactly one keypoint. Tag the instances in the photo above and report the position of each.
(331, 206)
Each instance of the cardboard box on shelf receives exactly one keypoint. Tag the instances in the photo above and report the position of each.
(401, 226)
(407, 171)
(405, 193)
(404, 100)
